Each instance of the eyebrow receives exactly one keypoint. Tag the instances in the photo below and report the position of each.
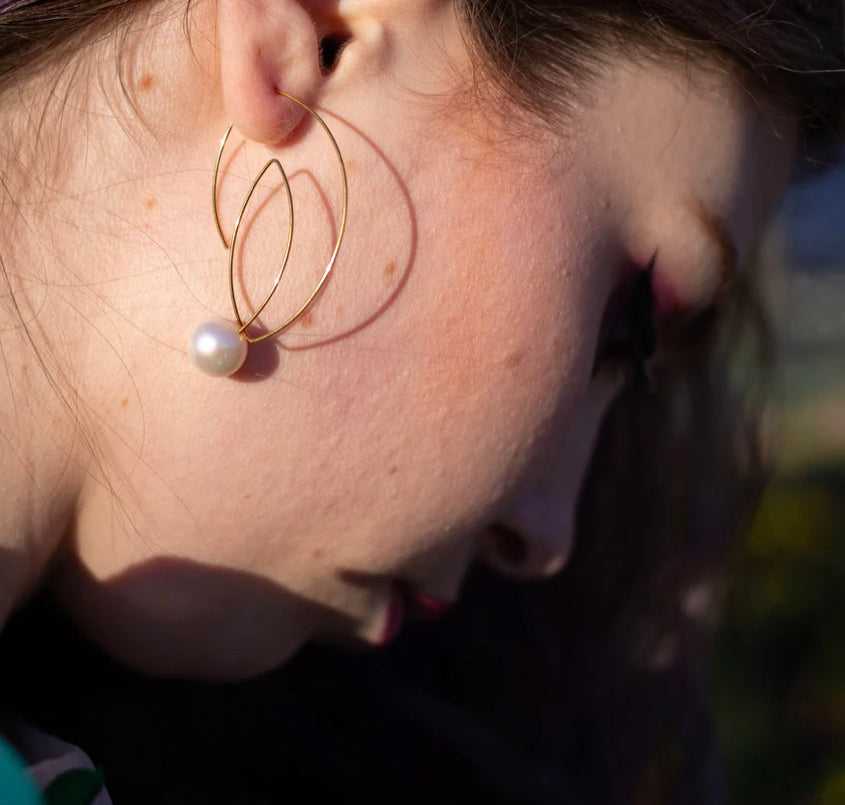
(717, 230)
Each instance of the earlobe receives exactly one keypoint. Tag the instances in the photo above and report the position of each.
(266, 45)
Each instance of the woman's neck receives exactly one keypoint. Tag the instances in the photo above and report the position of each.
(77, 228)
(39, 469)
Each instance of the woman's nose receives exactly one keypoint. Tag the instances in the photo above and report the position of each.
(536, 533)
(533, 540)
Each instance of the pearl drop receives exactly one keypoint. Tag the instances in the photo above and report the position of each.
(217, 348)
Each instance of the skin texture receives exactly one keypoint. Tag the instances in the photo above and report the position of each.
(440, 387)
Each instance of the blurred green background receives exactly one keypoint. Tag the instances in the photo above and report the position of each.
(779, 668)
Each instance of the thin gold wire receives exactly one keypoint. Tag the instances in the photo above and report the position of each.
(231, 246)
(242, 325)
(214, 185)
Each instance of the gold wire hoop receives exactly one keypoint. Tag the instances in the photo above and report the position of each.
(231, 246)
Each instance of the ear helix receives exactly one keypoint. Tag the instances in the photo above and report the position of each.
(219, 347)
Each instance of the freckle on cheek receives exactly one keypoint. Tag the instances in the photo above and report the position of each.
(389, 273)
(393, 471)
(146, 82)
(306, 319)
(514, 360)
(149, 203)
(124, 403)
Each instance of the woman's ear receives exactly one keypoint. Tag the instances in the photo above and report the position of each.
(266, 45)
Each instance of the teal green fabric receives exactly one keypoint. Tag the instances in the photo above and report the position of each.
(16, 787)
(74, 787)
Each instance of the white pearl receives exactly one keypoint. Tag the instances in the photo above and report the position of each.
(217, 348)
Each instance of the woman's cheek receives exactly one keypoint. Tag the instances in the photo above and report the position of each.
(500, 373)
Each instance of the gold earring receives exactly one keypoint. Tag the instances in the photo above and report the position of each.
(218, 347)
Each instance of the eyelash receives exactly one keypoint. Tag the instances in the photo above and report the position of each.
(628, 333)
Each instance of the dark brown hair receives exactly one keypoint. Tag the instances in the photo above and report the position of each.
(789, 53)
